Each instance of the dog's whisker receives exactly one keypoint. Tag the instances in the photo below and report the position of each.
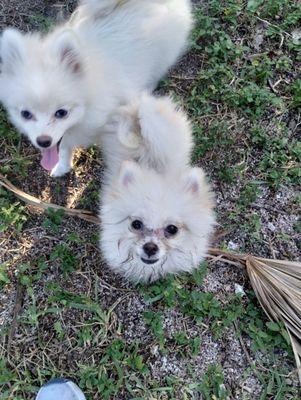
(129, 258)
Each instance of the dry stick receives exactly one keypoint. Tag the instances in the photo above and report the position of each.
(33, 201)
(277, 284)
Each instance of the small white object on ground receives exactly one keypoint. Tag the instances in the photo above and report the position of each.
(239, 289)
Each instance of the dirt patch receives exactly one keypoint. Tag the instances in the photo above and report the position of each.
(30, 15)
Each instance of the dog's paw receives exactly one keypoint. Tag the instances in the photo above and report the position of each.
(60, 170)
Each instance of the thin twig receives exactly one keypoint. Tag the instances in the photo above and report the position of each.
(16, 312)
(243, 346)
(274, 26)
(35, 202)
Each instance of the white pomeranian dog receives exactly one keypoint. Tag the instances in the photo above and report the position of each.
(59, 89)
(157, 211)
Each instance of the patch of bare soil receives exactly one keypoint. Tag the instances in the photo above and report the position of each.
(30, 15)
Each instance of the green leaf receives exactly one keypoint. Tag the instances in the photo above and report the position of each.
(273, 326)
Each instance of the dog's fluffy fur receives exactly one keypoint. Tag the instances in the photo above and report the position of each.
(103, 56)
(149, 180)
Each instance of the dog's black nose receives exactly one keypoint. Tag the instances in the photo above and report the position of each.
(44, 141)
(150, 249)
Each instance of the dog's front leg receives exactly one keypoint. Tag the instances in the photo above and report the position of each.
(65, 158)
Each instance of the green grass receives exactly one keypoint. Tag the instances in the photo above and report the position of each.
(54, 220)
(121, 367)
(12, 213)
(15, 162)
(238, 82)
(71, 326)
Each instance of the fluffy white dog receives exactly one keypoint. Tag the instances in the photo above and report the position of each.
(60, 89)
(157, 212)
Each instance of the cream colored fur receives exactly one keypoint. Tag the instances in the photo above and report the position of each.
(102, 57)
(148, 179)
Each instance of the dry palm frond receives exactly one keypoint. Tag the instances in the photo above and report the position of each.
(277, 285)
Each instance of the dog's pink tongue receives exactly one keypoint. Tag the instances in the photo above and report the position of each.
(50, 158)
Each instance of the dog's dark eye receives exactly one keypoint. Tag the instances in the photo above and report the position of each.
(137, 225)
(171, 230)
(61, 113)
(26, 114)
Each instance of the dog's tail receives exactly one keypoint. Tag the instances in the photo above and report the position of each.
(158, 130)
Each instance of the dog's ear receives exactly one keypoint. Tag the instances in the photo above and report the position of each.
(12, 50)
(129, 172)
(67, 50)
(194, 181)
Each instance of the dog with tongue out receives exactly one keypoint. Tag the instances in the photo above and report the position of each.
(50, 158)
(61, 89)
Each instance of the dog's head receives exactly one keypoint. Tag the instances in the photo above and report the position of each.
(155, 224)
(41, 84)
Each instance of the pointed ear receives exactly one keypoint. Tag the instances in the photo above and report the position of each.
(195, 180)
(67, 50)
(11, 49)
(129, 172)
